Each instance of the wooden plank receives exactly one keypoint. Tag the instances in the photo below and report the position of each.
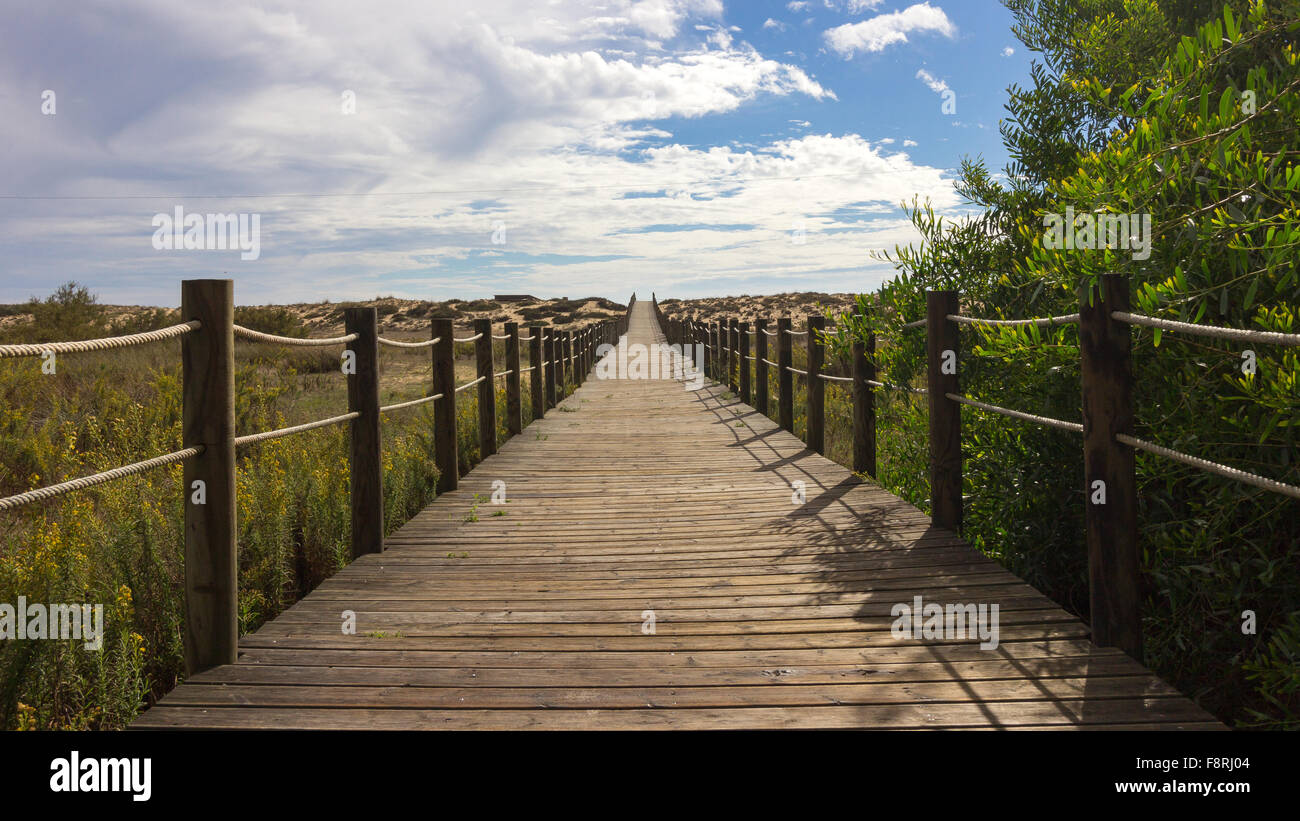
(648, 497)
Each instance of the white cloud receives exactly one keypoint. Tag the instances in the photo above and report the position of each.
(936, 85)
(910, 143)
(769, 23)
(881, 31)
(1008, 51)
(797, 5)
(464, 117)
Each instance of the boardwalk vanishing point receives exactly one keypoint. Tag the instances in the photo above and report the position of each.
(652, 571)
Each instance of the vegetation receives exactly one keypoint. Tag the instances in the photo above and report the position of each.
(121, 544)
(1185, 111)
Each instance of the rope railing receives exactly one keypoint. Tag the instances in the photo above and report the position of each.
(410, 404)
(1206, 465)
(393, 343)
(1044, 322)
(254, 438)
(1015, 414)
(208, 404)
(258, 336)
(1215, 331)
(41, 494)
(103, 344)
(1105, 363)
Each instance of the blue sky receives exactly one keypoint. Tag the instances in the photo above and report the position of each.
(429, 150)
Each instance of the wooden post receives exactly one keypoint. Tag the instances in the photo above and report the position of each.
(864, 405)
(733, 354)
(208, 419)
(568, 361)
(760, 367)
(582, 355)
(514, 401)
(743, 357)
(1110, 474)
(784, 379)
(487, 390)
(561, 368)
(724, 361)
(816, 391)
(367, 481)
(548, 356)
(538, 376)
(444, 410)
(942, 350)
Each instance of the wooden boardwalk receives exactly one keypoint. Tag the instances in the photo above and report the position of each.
(636, 496)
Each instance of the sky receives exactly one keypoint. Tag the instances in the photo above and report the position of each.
(438, 150)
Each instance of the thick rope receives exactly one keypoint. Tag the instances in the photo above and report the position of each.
(918, 323)
(773, 364)
(12, 502)
(470, 384)
(104, 344)
(258, 336)
(473, 338)
(428, 343)
(1067, 319)
(795, 333)
(501, 374)
(1211, 467)
(254, 438)
(829, 378)
(1240, 334)
(411, 404)
(1015, 414)
(796, 370)
(506, 336)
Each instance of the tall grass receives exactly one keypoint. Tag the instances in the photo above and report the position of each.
(121, 544)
